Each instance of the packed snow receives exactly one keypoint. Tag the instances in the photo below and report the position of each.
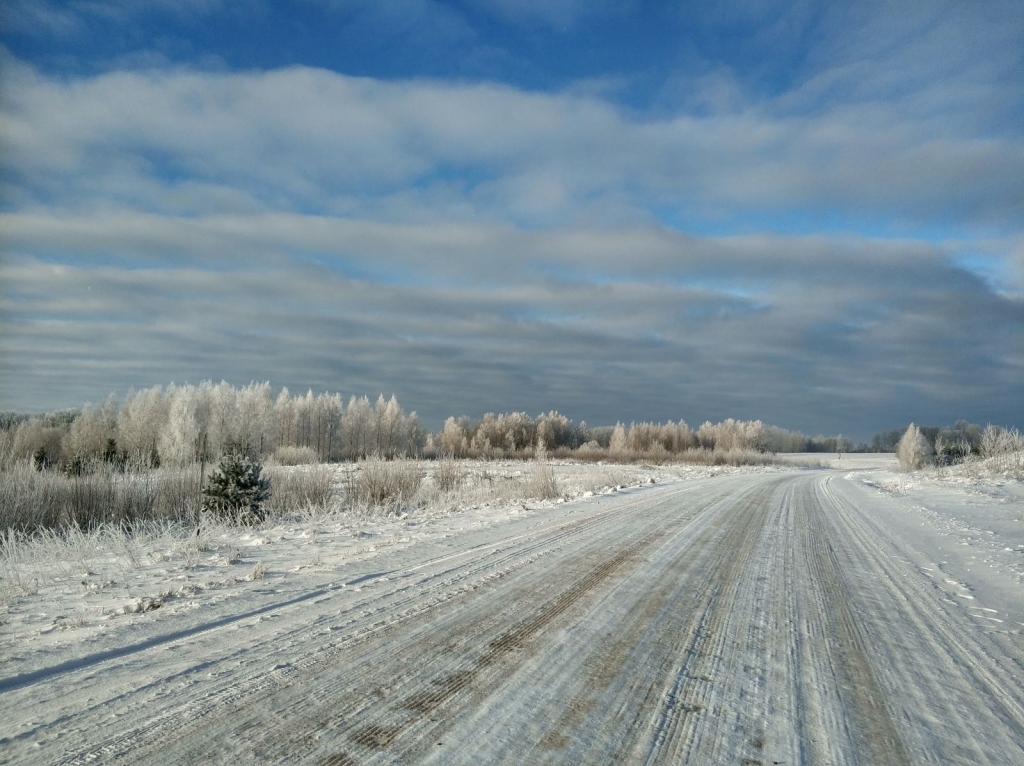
(834, 611)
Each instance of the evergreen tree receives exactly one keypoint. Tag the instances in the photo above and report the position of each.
(237, 488)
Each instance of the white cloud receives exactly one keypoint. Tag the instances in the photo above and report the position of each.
(496, 247)
(751, 326)
(304, 138)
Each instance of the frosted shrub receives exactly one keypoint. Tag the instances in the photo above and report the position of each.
(302, 489)
(448, 474)
(383, 483)
(1003, 450)
(32, 499)
(1000, 441)
(295, 456)
(179, 492)
(541, 483)
(914, 451)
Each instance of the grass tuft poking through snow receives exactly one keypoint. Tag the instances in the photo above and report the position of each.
(541, 483)
(387, 484)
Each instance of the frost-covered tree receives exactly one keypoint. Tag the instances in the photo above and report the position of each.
(706, 435)
(618, 443)
(254, 408)
(221, 423)
(179, 439)
(453, 439)
(356, 426)
(329, 411)
(488, 435)
(305, 410)
(34, 435)
(754, 436)
(140, 422)
(388, 426)
(88, 435)
(555, 430)
(518, 431)
(640, 437)
(284, 420)
(914, 451)
(414, 437)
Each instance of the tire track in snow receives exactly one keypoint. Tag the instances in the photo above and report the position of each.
(464, 584)
(872, 736)
(597, 699)
(411, 596)
(646, 644)
(682, 729)
(472, 675)
(745, 620)
(939, 667)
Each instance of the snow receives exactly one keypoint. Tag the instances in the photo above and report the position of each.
(74, 589)
(713, 615)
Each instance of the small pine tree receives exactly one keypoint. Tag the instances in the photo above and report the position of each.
(237, 489)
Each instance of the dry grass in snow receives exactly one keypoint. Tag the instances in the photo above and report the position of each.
(320, 515)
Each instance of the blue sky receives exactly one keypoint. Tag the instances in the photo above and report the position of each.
(808, 213)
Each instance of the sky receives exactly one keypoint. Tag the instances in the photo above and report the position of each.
(801, 212)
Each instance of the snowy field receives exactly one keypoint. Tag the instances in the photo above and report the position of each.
(840, 613)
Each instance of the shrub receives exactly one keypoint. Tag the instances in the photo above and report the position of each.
(914, 451)
(448, 474)
(237, 489)
(302, 489)
(1003, 450)
(383, 483)
(541, 483)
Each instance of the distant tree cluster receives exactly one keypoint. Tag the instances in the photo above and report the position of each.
(181, 425)
(509, 434)
(920, 446)
(517, 433)
(953, 442)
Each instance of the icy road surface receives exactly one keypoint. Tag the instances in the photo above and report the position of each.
(802, 617)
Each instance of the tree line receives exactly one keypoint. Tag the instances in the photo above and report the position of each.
(180, 425)
(516, 432)
(921, 446)
(948, 443)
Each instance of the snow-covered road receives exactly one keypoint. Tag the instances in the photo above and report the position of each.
(802, 617)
